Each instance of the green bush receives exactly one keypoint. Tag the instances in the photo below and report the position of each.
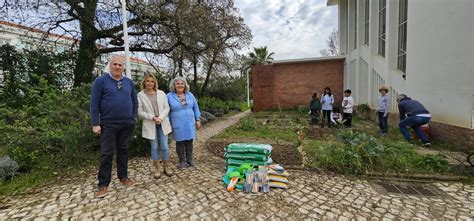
(215, 105)
(363, 111)
(302, 109)
(24, 69)
(8, 168)
(53, 122)
(247, 124)
(434, 163)
(224, 87)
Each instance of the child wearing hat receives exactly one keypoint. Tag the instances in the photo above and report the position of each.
(383, 106)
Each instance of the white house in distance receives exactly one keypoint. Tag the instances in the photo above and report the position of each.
(422, 48)
(23, 37)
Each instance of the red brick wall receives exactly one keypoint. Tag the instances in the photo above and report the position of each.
(293, 84)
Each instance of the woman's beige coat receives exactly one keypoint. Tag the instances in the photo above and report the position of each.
(145, 111)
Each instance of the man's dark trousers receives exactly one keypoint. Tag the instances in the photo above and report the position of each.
(114, 136)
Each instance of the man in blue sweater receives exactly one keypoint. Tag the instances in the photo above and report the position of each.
(412, 114)
(113, 108)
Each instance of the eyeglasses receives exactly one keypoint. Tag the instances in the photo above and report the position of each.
(119, 85)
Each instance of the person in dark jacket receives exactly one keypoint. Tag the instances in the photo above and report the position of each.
(113, 109)
(315, 107)
(412, 114)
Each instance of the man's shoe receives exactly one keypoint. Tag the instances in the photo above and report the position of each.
(190, 164)
(427, 144)
(181, 165)
(102, 192)
(128, 182)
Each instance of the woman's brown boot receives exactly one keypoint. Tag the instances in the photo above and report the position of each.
(167, 168)
(157, 172)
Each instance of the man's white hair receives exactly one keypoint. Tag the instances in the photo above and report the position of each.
(121, 57)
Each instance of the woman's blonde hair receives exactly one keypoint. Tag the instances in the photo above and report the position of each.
(142, 85)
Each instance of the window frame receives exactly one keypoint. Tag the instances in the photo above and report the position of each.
(402, 36)
(367, 22)
(382, 13)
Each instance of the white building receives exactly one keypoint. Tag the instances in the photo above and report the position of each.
(23, 37)
(422, 48)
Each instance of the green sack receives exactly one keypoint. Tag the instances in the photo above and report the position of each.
(265, 149)
(231, 161)
(246, 156)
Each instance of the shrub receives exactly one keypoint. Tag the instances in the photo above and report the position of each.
(363, 110)
(302, 109)
(218, 107)
(360, 153)
(434, 163)
(52, 123)
(8, 168)
(247, 124)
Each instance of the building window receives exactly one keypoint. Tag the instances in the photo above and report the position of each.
(382, 26)
(355, 24)
(367, 21)
(402, 36)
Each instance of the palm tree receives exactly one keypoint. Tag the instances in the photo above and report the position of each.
(260, 56)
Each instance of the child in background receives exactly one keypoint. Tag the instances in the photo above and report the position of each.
(327, 100)
(315, 107)
(382, 109)
(336, 116)
(347, 105)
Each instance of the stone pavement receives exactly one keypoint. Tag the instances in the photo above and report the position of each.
(195, 194)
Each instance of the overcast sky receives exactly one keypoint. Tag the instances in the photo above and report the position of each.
(291, 28)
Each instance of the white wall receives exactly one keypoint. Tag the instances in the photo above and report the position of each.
(363, 83)
(440, 55)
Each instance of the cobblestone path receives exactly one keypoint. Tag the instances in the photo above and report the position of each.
(197, 194)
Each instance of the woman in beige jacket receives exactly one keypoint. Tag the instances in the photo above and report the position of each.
(153, 108)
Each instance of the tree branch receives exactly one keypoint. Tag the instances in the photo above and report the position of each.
(140, 49)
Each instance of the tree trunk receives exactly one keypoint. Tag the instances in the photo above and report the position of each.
(180, 64)
(85, 62)
(195, 74)
(208, 74)
(88, 51)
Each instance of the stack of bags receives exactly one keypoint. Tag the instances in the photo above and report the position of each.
(278, 176)
(237, 154)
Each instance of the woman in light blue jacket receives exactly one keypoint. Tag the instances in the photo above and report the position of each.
(185, 118)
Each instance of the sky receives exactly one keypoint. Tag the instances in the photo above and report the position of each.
(293, 29)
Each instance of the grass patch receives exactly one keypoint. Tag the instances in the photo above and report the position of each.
(244, 106)
(248, 127)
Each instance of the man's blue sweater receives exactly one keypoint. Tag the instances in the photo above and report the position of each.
(113, 101)
(410, 107)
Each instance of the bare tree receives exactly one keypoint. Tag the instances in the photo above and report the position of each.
(333, 45)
